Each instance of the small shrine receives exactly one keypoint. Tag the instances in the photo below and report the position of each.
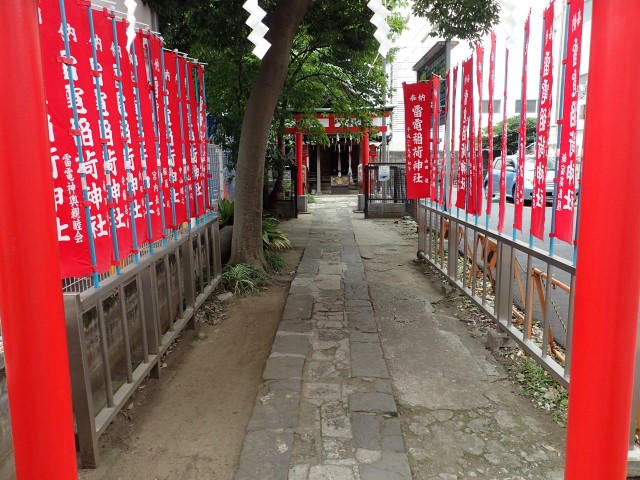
(334, 169)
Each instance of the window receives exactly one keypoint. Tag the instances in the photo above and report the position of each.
(496, 106)
(532, 106)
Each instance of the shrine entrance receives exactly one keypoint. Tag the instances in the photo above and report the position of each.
(334, 169)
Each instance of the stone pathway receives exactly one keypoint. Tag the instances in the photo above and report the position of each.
(327, 409)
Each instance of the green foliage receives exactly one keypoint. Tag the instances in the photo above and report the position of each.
(225, 209)
(311, 198)
(275, 263)
(272, 237)
(242, 278)
(513, 124)
(542, 389)
(464, 19)
(333, 63)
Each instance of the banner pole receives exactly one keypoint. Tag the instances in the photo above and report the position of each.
(192, 152)
(156, 132)
(602, 383)
(77, 135)
(143, 152)
(34, 333)
(203, 92)
(168, 139)
(552, 240)
(522, 131)
(105, 151)
(544, 29)
(185, 170)
(126, 140)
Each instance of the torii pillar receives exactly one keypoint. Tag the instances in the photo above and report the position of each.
(31, 304)
(302, 197)
(364, 161)
(606, 306)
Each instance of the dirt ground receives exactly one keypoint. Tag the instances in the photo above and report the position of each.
(190, 424)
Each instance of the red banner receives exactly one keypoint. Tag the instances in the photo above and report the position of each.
(155, 52)
(194, 143)
(204, 154)
(519, 198)
(184, 137)
(492, 80)
(75, 206)
(539, 199)
(103, 31)
(565, 196)
(477, 180)
(453, 137)
(417, 108)
(466, 108)
(145, 94)
(503, 164)
(173, 133)
(135, 184)
(435, 160)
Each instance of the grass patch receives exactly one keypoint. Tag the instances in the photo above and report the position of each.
(311, 198)
(536, 384)
(242, 278)
(275, 263)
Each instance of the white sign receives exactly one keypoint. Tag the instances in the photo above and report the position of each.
(384, 173)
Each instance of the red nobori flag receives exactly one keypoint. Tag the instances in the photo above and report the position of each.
(175, 145)
(453, 136)
(417, 115)
(135, 180)
(103, 31)
(565, 196)
(519, 199)
(503, 163)
(435, 108)
(539, 200)
(466, 104)
(145, 93)
(477, 180)
(74, 228)
(492, 79)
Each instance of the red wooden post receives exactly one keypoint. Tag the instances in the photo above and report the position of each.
(606, 309)
(31, 307)
(299, 147)
(364, 144)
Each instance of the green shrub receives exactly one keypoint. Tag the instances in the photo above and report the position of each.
(242, 278)
(311, 198)
(272, 237)
(275, 262)
(225, 209)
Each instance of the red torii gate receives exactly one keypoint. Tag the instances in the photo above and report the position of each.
(601, 385)
(332, 126)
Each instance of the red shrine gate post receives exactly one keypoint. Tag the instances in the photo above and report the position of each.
(302, 197)
(35, 342)
(602, 363)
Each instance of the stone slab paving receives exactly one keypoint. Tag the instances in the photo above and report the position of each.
(326, 410)
(368, 381)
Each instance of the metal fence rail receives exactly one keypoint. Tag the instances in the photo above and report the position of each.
(118, 332)
(525, 291)
(507, 280)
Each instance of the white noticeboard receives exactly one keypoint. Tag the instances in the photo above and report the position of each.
(384, 173)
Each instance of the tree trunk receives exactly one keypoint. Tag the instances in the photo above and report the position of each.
(247, 224)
